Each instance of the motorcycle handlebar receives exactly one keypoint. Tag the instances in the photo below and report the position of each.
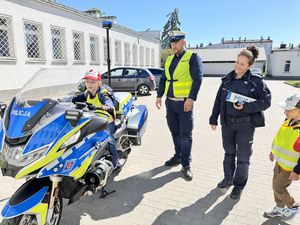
(81, 105)
(92, 107)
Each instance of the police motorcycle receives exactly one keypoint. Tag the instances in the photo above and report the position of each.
(60, 148)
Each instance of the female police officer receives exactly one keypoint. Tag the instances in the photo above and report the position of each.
(240, 100)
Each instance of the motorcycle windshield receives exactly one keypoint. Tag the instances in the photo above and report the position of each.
(38, 96)
(49, 84)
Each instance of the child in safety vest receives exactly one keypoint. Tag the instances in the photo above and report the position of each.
(286, 152)
(99, 97)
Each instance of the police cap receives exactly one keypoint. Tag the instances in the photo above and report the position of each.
(176, 35)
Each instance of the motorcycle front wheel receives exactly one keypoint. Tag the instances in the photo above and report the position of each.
(32, 219)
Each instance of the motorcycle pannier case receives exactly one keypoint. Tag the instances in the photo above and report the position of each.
(137, 124)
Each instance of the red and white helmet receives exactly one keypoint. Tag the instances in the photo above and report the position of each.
(93, 75)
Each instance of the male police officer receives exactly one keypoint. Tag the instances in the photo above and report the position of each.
(180, 82)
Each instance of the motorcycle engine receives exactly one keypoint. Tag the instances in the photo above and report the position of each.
(97, 176)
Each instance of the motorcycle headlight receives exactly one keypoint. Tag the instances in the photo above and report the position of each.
(13, 155)
(71, 140)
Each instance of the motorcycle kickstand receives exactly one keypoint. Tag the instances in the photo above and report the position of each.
(104, 192)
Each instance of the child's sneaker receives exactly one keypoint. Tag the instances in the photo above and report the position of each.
(289, 213)
(296, 205)
(116, 163)
(118, 166)
(275, 212)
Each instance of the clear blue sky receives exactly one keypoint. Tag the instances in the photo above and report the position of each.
(207, 20)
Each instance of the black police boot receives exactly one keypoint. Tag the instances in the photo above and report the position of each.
(188, 175)
(225, 184)
(236, 193)
(174, 161)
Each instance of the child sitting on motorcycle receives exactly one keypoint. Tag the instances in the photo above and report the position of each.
(98, 96)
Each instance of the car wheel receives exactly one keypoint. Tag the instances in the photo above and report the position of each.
(143, 89)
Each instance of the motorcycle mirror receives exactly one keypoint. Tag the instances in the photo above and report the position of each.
(3, 106)
(80, 105)
(81, 86)
(73, 116)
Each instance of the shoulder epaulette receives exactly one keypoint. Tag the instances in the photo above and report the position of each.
(256, 75)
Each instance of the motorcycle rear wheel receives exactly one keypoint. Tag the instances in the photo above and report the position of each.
(31, 219)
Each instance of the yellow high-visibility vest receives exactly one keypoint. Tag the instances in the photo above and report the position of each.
(96, 102)
(282, 146)
(182, 79)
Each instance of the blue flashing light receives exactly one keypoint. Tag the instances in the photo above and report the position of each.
(107, 24)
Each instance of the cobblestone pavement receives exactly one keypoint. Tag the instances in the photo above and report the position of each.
(149, 193)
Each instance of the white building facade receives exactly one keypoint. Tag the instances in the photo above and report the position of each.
(284, 63)
(243, 43)
(38, 34)
(219, 62)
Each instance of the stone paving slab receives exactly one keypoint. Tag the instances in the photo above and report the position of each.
(149, 193)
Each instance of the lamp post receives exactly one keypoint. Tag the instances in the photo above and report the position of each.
(138, 42)
(107, 25)
(141, 34)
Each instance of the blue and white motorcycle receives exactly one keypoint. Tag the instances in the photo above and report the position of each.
(60, 148)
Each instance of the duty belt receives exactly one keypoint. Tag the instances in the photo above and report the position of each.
(177, 99)
(239, 120)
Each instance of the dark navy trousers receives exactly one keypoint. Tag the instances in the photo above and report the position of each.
(181, 125)
(237, 143)
(112, 144)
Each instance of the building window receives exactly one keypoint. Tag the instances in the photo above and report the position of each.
(7, 49)
(147, 56)
(118, 53)
(58, 36)
(287, 66)
(105, 52)
(134, 55)
(94, 49)
(78, 47)
(34, 40)
(127, 54)
(142, 56)
(152, 57)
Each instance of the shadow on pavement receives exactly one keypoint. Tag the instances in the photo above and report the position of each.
(129, 193)
(197, 213)
(275, 221)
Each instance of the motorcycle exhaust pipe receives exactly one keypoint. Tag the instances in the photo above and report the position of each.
(97, 176)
